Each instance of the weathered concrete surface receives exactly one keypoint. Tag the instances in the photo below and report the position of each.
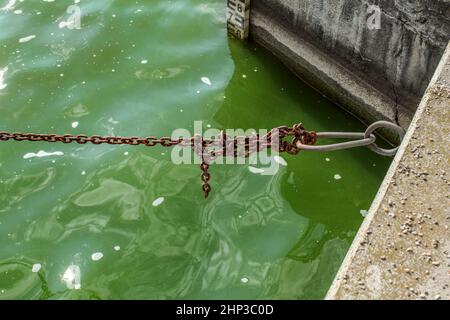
(323, 73)
(330, 45)
(402, 250)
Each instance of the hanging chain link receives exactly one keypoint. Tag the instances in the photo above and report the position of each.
(221, 146)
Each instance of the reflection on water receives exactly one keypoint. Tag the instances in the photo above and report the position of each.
(103, 222)
(19, 281)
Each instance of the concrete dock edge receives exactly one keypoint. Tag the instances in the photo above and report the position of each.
(402, 250)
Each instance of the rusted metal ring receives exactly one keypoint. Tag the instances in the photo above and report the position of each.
(387, 125)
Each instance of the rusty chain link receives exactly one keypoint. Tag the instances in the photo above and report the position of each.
(239, 146)
(222, 145)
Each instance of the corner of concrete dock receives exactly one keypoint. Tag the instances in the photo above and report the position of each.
(402, 250)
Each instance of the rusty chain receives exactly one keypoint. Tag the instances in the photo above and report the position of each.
(222, 145)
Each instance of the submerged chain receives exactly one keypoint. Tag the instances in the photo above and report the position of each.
(240, 146)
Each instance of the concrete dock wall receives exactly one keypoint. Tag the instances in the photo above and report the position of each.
(402, 250)
(374, 71)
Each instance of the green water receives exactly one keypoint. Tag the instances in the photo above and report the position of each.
(256, 237)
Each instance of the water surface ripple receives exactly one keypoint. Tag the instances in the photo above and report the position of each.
(125, 223)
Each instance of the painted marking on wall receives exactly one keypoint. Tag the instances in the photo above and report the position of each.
(238, 18)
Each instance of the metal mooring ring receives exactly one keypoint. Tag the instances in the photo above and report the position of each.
(388, 125)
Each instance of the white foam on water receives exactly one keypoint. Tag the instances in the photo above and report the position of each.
(255, 170)
(117, 248)
(363, 213)
(9, 5)
(18, 11)
(327, 159)
(337, 177)
(144, 61)
(83, 173)
(158, 202)
(2, 78)
(280, 160)
(244, 280)
(27, 38)
(42, 154)
(75, 124)
(96, 256)
(206, 81)
(36, 267)
(72, 277)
